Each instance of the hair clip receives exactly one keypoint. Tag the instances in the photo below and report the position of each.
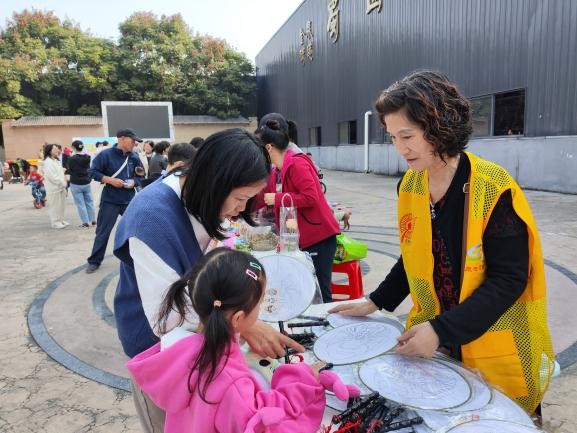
(255, 265)
(217, 303)
(251, 274)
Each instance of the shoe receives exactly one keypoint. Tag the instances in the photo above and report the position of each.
(58, 225)
(91, 268)
(93, 223)
(84, 225)
(66, 223)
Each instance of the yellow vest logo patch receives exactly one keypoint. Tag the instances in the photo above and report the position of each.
(475, 253)
(406, 227)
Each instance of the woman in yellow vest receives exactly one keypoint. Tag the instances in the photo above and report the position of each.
(470, 253)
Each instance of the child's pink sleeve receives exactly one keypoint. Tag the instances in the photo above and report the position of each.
(295, 403)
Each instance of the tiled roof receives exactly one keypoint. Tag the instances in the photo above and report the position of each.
(188, 120)
(58, 121)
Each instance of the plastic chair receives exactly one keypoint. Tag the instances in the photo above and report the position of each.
(354, 287)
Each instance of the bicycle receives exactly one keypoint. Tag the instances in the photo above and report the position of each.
(323, 186)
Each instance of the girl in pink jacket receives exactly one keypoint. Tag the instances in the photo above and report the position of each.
(203, 381)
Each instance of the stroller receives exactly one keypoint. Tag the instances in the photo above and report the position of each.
(15, 170)
(39, 194)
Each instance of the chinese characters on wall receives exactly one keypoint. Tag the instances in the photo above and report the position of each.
(333, 21)
(374, 4)
(306, 51)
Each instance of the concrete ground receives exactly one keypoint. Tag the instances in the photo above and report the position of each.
(44, 292)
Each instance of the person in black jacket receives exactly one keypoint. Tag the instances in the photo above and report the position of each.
(78, 165)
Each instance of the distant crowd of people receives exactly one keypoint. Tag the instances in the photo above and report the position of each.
(59, 170)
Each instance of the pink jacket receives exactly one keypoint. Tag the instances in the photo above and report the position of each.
(294, 404)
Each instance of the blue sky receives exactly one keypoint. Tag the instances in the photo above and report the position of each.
(246, 25)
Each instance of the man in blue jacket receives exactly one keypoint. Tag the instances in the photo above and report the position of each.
(114, 167)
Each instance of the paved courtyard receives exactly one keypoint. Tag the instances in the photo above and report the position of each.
(45, 294)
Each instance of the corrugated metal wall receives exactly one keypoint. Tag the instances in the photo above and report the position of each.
(486, 46)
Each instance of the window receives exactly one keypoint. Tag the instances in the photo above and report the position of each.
(499, 114)
(510, 113)
(348, 132)
(315, 136)
(482, 110)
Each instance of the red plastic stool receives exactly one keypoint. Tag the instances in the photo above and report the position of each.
(354, 288)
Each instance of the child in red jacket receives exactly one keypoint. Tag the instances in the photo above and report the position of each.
(36, 181)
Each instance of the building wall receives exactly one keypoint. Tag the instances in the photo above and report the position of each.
(185, 132)
(542, 163)
(486, 46)
(26, 141)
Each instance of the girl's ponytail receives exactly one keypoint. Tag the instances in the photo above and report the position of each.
(222, 283)
(175, 300)
(217, 338)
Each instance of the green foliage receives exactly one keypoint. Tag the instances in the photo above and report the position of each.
(161, 59)
(54, 68)
(61, 67)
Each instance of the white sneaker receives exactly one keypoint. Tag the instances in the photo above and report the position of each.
(66, 223)
(58, 225)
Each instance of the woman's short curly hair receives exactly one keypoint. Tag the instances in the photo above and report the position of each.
(434, 103)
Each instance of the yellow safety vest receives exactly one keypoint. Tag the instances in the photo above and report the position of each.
(516, 353)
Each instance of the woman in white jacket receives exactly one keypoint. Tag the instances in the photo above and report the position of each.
(55, 184)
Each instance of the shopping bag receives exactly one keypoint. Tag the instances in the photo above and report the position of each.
(289, 229)
(349, 249)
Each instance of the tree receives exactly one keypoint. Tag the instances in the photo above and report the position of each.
(231, 83)
(12, 103)
(161, 59)
(57, 68)
(54, 68)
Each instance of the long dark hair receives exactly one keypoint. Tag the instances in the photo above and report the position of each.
(228, 159)
(434, 103)
(235, 279)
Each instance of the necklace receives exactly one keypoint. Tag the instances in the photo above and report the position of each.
(454, 171)
(433, 212)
